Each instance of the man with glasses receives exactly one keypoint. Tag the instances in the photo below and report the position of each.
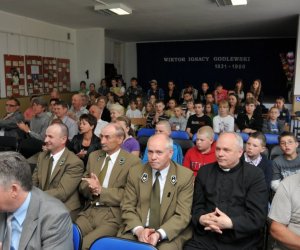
(288, 163)
(8, 124)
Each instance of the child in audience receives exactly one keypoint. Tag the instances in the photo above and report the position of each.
(234, 106)
(223, 122)
(284, 112)
(238, 90)
(273, 125)
(172, 103)
(220, 93)
(190, 109)
(140, 104)
(203, 152)
(249, 122)
(152, 99)
(187, 96)
(209, 111)
(178, 122)
(253, 155)
(210, 99)
(203, 91)
(256, 89)
(198, 120)
(133, 112)
(149, 108)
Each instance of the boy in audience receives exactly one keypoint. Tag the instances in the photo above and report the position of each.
(220, 93)
(284, 112)
(288, 163)
(198, 120)
(273, 125)
(210, 99)
(203, 152)
(190, 109)
(253, 155)
(133, 112)
(223, 122)
(187, 96)
(158, 115)
(178, 122)
(250, 122)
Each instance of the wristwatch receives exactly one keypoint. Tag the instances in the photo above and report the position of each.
(160, 236)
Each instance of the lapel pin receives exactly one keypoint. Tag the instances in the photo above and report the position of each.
(122, 161)
(62, 161)
(144, 177)
(173, 179)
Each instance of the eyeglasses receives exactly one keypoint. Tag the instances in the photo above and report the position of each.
(285, 143)
(10, 105)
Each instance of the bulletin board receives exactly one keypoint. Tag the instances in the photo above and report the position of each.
(14, 75)
(34, 74)
(50, 74)
(63, 71)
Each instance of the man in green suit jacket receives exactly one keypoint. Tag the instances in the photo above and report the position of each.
(103, 186)
(59, 171)
(174, 206)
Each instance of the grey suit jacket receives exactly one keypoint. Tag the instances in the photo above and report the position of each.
(10, 124)
(47, 225)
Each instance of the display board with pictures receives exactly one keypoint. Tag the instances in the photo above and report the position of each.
(34, 75)
(63, 71)
(14, 75)
(50, 74)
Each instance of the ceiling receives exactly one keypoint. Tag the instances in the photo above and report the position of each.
(159, 20)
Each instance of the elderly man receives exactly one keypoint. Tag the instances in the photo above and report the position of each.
(156, 208)
(103, 186)
(77, 108)
(230, 200)
(284, 214)
(29, 218)
(96, 112)
(59, 170)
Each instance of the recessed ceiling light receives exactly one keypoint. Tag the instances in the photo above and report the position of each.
(239, 2)
(115, 8)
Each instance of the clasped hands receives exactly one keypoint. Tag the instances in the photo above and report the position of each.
(216, 221)
(94, 184)
(148, 235)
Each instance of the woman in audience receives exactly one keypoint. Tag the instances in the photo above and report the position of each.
(238, 90)
(171, 108)
(130, 144)
(103, 89)
(256, 89)
(149, 109)
(273, 125)
(172, 92)
(86, 142)
(112, 99)
(284, 112)
(234, 105)
(116, 110)
(209, 111)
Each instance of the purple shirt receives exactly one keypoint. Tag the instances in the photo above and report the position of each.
(131, 144)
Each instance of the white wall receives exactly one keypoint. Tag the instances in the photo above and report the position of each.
(130, 61)
(24, 36)
(297, 69)
(91, 55)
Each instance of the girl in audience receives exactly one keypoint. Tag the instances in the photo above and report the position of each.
(140, 104)
(133, 111)
(112, 99)
(103, 89)
(116, 110)
(130, 144)
(152, 99)
(86, 142)
(238, 90)
(172, 92)
(209, 111)
(223, 122)
(190, 109)
(256, 89)
(149, 109)
(273, 125)
(284, 112)
(171, 108)
(234, 105)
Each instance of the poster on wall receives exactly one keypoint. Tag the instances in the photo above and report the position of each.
(63, 71)
(34, 74)
(50, 74)
(14, 75)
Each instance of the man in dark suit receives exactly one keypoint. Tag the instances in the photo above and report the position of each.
(161, 217)
(59, 170)
(29, 218)
(103, 186)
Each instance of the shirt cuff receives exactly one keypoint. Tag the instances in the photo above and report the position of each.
(135, 229)
(162, 233)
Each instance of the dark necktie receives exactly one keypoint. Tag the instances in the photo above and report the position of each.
(154, 220)
(49, 169)
(104, 170)
(7, 239)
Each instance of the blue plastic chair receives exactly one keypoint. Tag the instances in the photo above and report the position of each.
(145, 132)
(114, 243)
(77, 237)
(182, 135)
(272, 139)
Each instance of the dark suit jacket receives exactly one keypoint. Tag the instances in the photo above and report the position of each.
(64, 180)
(10, 124)
(105, 116)
(113, 194)
(175, 212)
(47, 224)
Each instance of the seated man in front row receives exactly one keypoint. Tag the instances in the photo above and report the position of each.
(157, 202)
(29, 218)
(230, 201)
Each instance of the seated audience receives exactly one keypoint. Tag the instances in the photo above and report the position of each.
(209, 111)
(284, 214)
(249, 122)
(82, 88)
(116, 110)
(140, 104)
(28, 113)
(223, 122)
(220, 93)
(61, 112)
(101, 103)
(158, 115)
(130, 144)
(86, 141)
(273, 125)
(111, 99)
(51, 108)
(103, 186)
(77, 108)
(133, 111)
(284, 112)
(203, 152)
(156, 91)
(170, 112)
(190, 109)
(55, 94)
(96, 112)
(230, 200)
(59, 171)
(163, 127)
(255, 146)
(187, 97)
(158, 213)
(178, 122)
(288, 163)
(29, 218)
(198, 120)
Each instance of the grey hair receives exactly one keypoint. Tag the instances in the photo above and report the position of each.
(169, 144)
(119, 130)
(14, 167)
(239, 139)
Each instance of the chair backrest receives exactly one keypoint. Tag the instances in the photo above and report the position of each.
(77, 237)
(275, 151)
(114, 243)
(145, 132)
(184, 144)
(180, 135)
(138, 121)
